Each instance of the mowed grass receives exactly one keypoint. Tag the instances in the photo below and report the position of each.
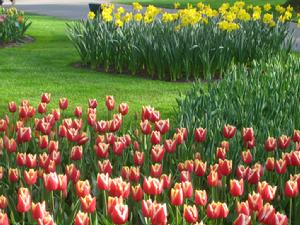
(212, 3)
(46, 66)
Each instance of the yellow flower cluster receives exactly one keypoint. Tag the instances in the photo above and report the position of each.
(229, 16)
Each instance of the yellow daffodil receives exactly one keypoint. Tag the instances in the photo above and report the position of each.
(119, 23)
(280, 9)
(267, 7)
(176, 5)
(91, 15)
(298, 22)
(138, 17)
(121, 10)
(137, 6)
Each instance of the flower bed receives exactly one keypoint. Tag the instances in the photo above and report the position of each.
(188, 44)
(90, 170)
(13, 25)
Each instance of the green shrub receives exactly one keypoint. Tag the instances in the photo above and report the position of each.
(178, 46)
(13, 25)
(265, 97)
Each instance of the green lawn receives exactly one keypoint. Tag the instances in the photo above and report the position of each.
(45, 66)
(212, 3)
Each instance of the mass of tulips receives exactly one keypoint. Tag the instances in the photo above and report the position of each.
(91, 169)
(197, 42)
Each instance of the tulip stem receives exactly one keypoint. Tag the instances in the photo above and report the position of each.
(52, 201)
(177, 215)
(105, 204)
(23, 218)
(291, 209)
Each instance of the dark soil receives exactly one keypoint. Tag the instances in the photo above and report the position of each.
(24, 40)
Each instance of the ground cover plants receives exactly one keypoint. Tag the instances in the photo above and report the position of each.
(193, 43)
(13, 25)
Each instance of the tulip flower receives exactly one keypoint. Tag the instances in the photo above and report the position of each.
(253, 175)
(266, 191)
(270, 164)
(123, 108)
(159, 214)
(38, 210)
(170, 145)
(225, 167)
(291, 189)
(176, 196)
(147, 208)
(217, 210)
(199, 167)
(137, 193)
(200, 197)
(270, 144)
(247, 134)
(10, 145)
(185, 176)
(247, 156)
(280, 166)
(4, 219)
(105, 167)
(45, 98)
(81, 218)
(295, 158)
(156, 170)
(51, 181)
(88, 203)
(243, 208)
(118, 148)
(280, 219)
(21, 159)
(3, 202)
(119, 214)
(157, 153)
(187, 188)
(13, 175)
(138, 158)
(76, 153)
(190, 213)
(112, 202)
(82, 188)
(24, 135)
(225, 144)
(296, 136)
(250, 144)
(110, 103)
(266, 214)
(200, 135)
(42, 108)
(284, 142)
(103, 181)
(78, 111)
(166, 181)
(236, 187)
(43, 141)
(31, 161)
(3, 125)
(242, 219)
(212, 179)
(152, 186)
(255, 201)
(145, 127)
(30, 176)
(155, 137)
(229, 131)
(101, 126)
(119, 188)
(221, 153)
(162, 126)
(24, 200)
(92, 103)
(125, 172)
(12, 107)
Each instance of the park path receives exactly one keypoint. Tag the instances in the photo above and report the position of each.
(78, 9)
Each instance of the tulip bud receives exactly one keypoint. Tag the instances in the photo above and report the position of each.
(145, 127)
(243, 208)
(255, 201)
(266, 214)
(212, 179)
(12, 107)
(159, 214)
(105, 167)
(138, 158)
(63, 103)
(199, 167)
(119, 214)
(13, 175)
(247, 156)
(270, 164)
(4, 219)
(170, 145)
(242, 219)
(42, 108)
(247, 134)
(284, 142)
(82, 188)
(156, 170)
(78, 111)
(162, 126)
(30, 176)
(157, 153)
(76, 153)
(296, 136)
(93, 103)
(137, 193)
(155, 137)
(280, 166)
(110, 103)
(166, 181)
(3, 202)
(51, 181)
